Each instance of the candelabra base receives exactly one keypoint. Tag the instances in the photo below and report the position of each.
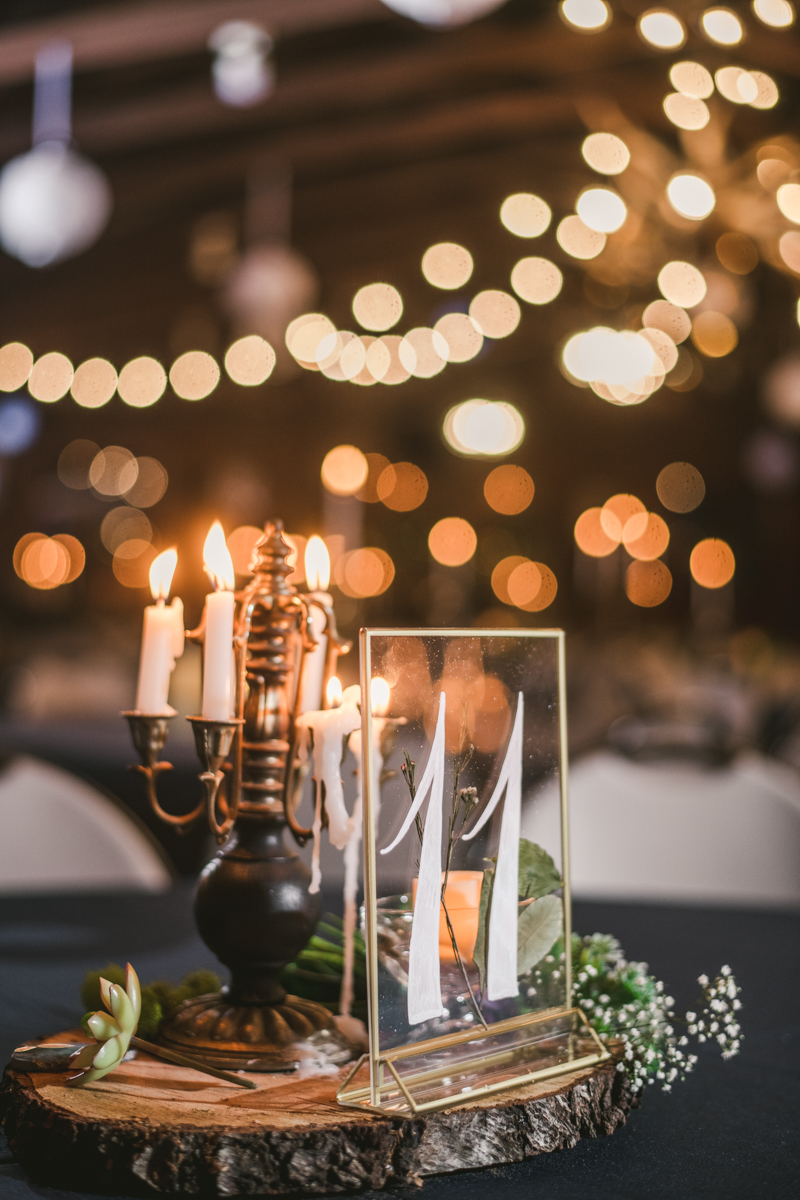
(245, 1037)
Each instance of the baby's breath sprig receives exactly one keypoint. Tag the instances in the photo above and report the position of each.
(624, 1002)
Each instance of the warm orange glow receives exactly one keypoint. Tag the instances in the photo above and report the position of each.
(120, 524)
(669, 318)
(452, 541)
(380, 696)
(574, 236)
(368, 571)
(524, 584)
(402, 358)
(536, 280)
(250, 361)
(495, 313)
(525, 215)
(508, 489)
(591, 537)
(16, 361)
(162, 569)
(46, 563)
(131, 563)
(502, 573)
(344, 470)
(317, 564)
(402, 486)
(646, 536)
(712, 563)
(50, 377)
(447, 265)
(141, 382)
(377, 307)
(648, 583)
(682, 284)
(617, 511)
(714, 334)
(94, 383)
(217, 560)
(680, 487)
(242, 545)
(685, 111)
(424, 351)
(333, 692)
(545, 593)
(303, 336)
(606, 153)
(377, 464)
(76, 552)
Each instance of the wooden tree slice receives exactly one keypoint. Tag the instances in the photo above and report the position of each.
(153, 1127)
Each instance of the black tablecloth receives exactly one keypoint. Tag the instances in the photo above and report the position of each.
(731, 1130)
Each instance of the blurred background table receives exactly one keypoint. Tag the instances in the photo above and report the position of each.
(729, 1131)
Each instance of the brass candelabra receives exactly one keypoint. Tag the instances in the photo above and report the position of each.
(252, 905)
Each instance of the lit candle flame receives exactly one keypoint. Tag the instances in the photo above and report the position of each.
(162, 569)
(333, 692)
(217, 560)
(380, 695)
(318, 564)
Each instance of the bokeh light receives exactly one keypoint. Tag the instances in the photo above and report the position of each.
(430, 351)
(484, 428)
(714, 334)
(353, 358)
(682, 284)
(131, 563)
(664, 347)
(241, 543)
(142, 382)
(508, 489)
(646, 536)
(446, 265)
(589, 16)
(50, 377)
(592, 538)
(767, 95)
(502, 573)
(75, 461)
(601, 209)
(669, 318)
(648, 584)
(121, 524)
(250, 361)
(536, 280)
(16, 361)
(525, 215)
(685, 111)
(20, 422)
(113, 471)
(344, 470)
(579, 241)
(194, 375)
(680, 487)
(692, 79)
(662, 28)
(722, 26)
(44, 563)
(617, 511)
(606, 153)
(94, 383)
(452, 541)
(402, 486)
(378, 359)
(376, 465)
(495, 313)
(778, 14)
(304, 334)
(377, 306)
(462, 336)
(736, 85)
(523, 590)
(737, 253)
(150, 484)
(365, 572)
(691, 196)
(712, 563)
(788, 198)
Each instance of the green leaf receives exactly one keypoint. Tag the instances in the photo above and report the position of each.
(479, 953)
(538, 874)
(539, 925)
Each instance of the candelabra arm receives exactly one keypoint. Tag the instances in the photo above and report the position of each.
(213, 741)
(149, 733)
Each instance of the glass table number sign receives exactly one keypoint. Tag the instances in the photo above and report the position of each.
(467, 923)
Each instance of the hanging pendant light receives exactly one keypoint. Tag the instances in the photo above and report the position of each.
(54, 203)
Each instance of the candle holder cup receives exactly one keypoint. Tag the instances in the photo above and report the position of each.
(252, 905)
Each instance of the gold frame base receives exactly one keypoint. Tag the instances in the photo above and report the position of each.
(395, 1097)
